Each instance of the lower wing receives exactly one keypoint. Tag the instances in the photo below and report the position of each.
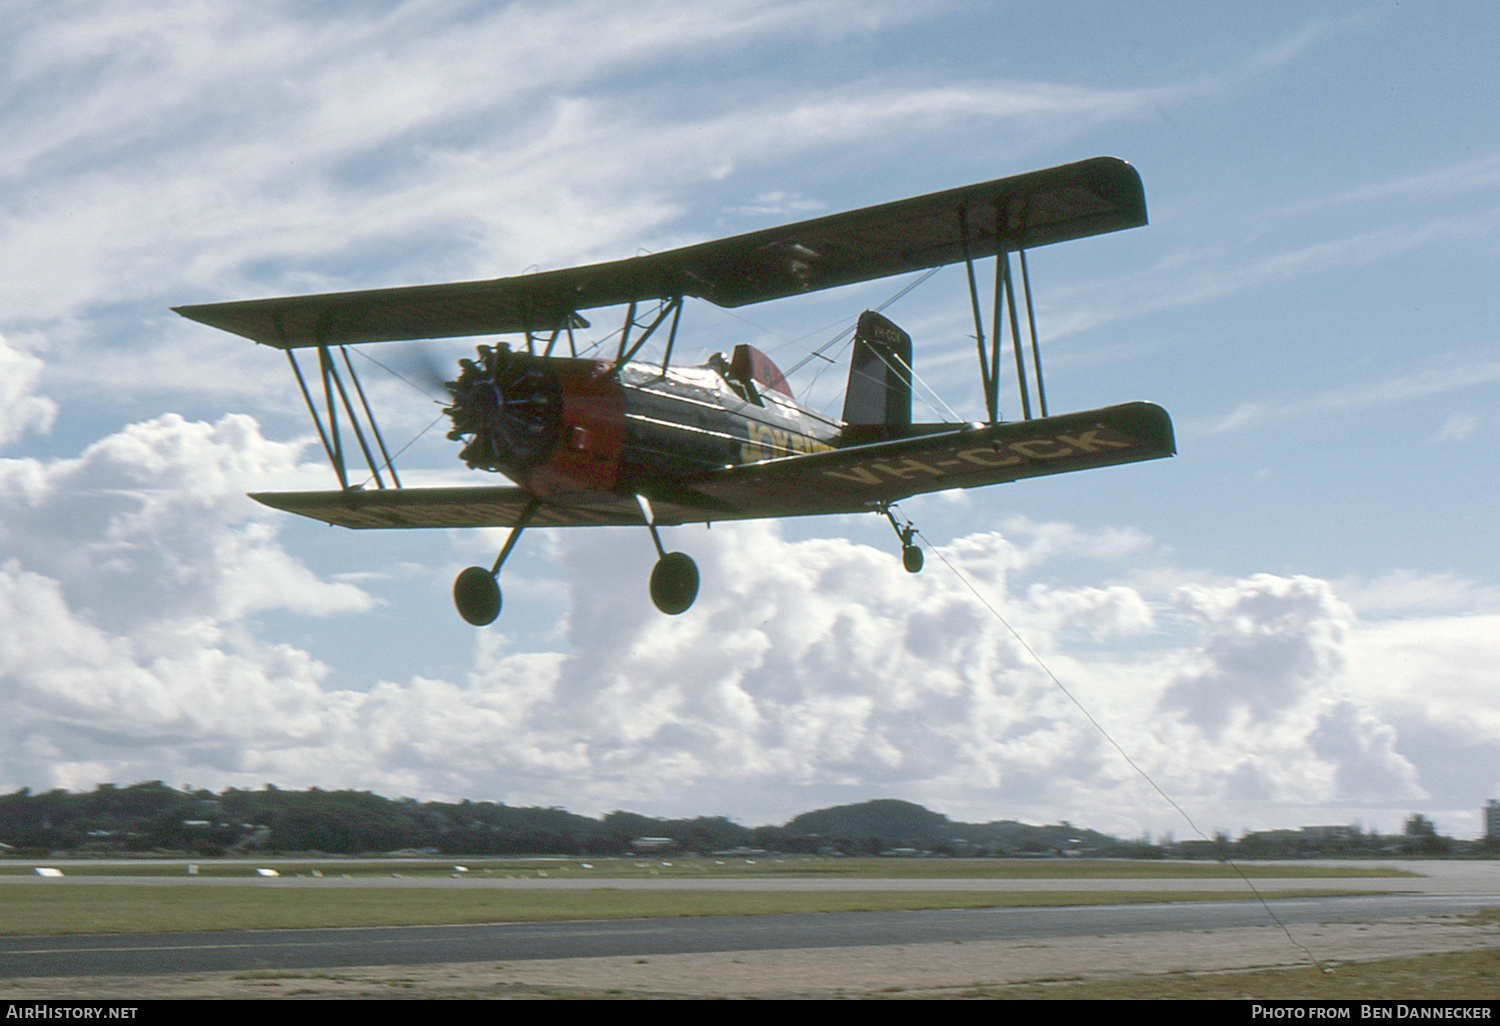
(867, 477)
(850, 480)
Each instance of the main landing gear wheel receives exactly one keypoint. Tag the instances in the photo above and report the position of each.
(674, 583)
(476, 593)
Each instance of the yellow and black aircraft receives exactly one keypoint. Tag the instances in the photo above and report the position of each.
(620, 441)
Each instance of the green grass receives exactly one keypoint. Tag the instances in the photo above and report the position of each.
(143, 908)
(794, 867)
(48, 908)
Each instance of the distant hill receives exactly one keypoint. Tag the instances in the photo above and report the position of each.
(891, 823)
(895, 823)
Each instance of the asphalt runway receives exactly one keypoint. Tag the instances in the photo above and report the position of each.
(1449, 888)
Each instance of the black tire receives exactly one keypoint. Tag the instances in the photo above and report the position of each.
(674, 583)
(476, 593)
(911, 558)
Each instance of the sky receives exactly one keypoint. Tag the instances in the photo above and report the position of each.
(1295, 621)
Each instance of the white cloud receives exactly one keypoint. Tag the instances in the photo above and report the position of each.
(1364, 750)
(123, 573)
(1399, 389)
(20, 409)
(1434, 671)
(152, 524)
(805, 669)
(176, 702)
(1268, 644)
(429, 142)
(1405, 593)
(233, 133)
(1457, 427)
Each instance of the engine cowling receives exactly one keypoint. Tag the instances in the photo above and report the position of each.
(552, 425)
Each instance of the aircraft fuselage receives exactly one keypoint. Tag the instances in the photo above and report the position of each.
(558, 425)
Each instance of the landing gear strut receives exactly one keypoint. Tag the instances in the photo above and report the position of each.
(674, 579)
(911, 553)
(476, 592)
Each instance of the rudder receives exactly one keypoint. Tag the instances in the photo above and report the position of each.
(878, 401)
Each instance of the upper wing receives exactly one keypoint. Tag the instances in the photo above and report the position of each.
(1069, 202)
(853, 480)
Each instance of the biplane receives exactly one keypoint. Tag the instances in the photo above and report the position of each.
(590, 439)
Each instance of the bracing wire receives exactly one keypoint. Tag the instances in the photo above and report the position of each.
(909, 287)
(911, 374)
(963, 578)
(844, 336)
(393, 372)
(818, 353)
(912, 370)
(415, 439)
(418, 387)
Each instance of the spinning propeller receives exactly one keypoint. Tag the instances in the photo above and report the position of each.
(509, 406)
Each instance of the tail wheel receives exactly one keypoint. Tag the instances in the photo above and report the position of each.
(911, 558)
(674, 583)
(476, 593)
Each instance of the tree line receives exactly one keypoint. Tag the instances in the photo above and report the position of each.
(152, 818)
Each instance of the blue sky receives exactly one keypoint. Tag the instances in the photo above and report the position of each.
(1292, 622)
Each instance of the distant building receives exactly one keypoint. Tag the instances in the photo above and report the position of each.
(652, 843)
(1330, 833)
(1492, 820)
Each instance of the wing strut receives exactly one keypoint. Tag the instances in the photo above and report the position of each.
(672, 307)
(568, 323)
(1036, 350)
(331, 436)
(374, 427)
(987, 380)
(1004, 293)
(672, 334)
(1005, 284)
(333, 447)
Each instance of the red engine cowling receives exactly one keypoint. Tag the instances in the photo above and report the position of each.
(552, 425)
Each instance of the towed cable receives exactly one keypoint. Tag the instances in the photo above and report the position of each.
(1116, 745)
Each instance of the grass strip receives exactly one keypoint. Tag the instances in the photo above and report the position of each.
(142, 908)
(824, 868)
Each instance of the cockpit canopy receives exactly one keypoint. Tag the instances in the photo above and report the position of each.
(749, 371)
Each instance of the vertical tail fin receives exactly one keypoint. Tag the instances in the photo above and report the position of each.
(877, 404)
